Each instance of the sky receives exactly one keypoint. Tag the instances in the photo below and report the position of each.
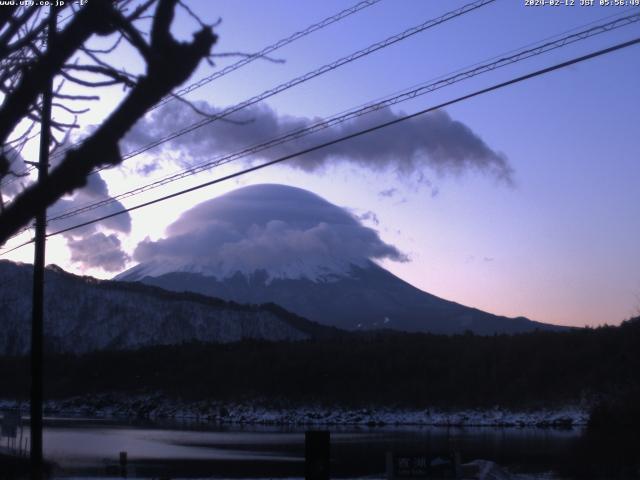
(520, 202)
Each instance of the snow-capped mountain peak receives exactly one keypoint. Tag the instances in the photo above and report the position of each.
(312, 269)
(286, 245)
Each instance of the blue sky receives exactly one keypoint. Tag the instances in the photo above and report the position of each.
(560, 245)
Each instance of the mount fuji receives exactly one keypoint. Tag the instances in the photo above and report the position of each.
(288, 246)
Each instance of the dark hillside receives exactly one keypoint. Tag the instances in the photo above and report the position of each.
(533, 369)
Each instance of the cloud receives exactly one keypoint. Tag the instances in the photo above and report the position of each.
(98, 251)
(275, 228)
(434, 141)
(371, 216)
(95, 190)
(389, 192)
(89, 247)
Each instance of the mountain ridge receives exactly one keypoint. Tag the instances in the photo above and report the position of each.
(363, 298)
(84, 314)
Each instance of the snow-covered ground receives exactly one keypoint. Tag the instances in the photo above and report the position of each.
(510, 476)
(158, 407)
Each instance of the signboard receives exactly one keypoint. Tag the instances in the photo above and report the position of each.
(10, 422)
(421, 467)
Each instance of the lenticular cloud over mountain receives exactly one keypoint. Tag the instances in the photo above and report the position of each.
(284, 231)
(285, 245)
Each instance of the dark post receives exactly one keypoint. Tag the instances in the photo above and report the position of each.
(316, 455)
(37, 328)
(389, 465)
(123, 464)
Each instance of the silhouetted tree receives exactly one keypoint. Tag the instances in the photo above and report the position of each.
(28, 64)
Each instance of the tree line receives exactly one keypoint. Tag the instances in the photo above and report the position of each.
(538, 369)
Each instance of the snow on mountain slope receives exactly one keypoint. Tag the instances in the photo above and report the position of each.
(276, 243)
(84, 314)
(286, 232)
(364, 299)
(295, 269)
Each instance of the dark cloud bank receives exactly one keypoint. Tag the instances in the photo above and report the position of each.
(267, 226)
(89, 247)
(228, 230)
(434, 140)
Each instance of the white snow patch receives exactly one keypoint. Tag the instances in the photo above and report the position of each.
(325, 270)
(157, 406)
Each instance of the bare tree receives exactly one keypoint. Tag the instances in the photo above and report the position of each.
(28, 64)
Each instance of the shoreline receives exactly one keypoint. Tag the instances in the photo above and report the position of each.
(157, 407)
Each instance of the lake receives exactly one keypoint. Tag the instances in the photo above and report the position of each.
(170, 449)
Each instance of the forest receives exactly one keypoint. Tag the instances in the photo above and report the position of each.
(596, 366)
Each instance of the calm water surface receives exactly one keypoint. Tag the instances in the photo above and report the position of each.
(90, 448)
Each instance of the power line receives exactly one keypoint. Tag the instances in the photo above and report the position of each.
(298, 80)
(503, 54)
(241, 63)
(349, 115)
(17, 176)
(269, 49)
(31, 168)
(326, 123)
(310, 75)
(17, 247)
(315, 73)
(251, 58)
(261, 54)
(398, 120)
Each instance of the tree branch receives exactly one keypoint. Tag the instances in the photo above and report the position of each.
(88, 20)
(170, 64)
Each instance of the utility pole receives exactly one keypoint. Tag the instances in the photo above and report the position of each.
(37, 321)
